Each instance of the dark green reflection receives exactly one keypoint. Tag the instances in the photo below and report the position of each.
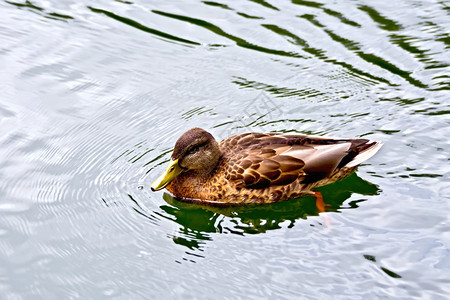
(224, 6)
(319, 53)
(385, 270)
(27, 4)
(219, 31)
(265, 4)
(139, 26)
(368, 57)
(383, 22)
(198, 223)
(327, 11)
(390, 273)
(41, 11)
(211, 3)
(307, 3)
(278, 91)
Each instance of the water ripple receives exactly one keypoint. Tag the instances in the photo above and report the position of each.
(217, 30)
(41, 11)
(94, 97)
(142, 27)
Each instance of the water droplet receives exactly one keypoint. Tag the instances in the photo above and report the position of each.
(140, 187)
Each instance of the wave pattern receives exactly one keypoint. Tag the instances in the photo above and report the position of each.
(94, 96)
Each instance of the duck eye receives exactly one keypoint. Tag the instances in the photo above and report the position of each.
(193, 150)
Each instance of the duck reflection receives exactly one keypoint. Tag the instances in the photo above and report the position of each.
(198, 223)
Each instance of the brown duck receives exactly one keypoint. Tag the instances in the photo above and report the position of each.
(258, 167)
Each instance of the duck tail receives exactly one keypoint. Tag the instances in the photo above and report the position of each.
(364, 152)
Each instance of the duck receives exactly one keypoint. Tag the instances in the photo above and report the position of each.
(258, 168)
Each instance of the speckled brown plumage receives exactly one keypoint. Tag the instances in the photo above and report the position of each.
(261, 168)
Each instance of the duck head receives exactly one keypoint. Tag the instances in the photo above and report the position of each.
(195, 151)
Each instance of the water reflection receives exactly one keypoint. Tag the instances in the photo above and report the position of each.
(198, 224)
(385, 270)
(142, 27)
(41, 11)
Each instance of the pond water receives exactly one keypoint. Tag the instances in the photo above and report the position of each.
(95, 94)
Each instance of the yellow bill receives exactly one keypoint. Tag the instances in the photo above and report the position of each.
(171, 172)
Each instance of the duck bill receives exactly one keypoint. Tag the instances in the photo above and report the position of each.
(171, 172)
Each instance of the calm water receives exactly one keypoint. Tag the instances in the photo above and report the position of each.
(95, 93)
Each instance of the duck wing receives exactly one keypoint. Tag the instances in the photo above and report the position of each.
(257, 160)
